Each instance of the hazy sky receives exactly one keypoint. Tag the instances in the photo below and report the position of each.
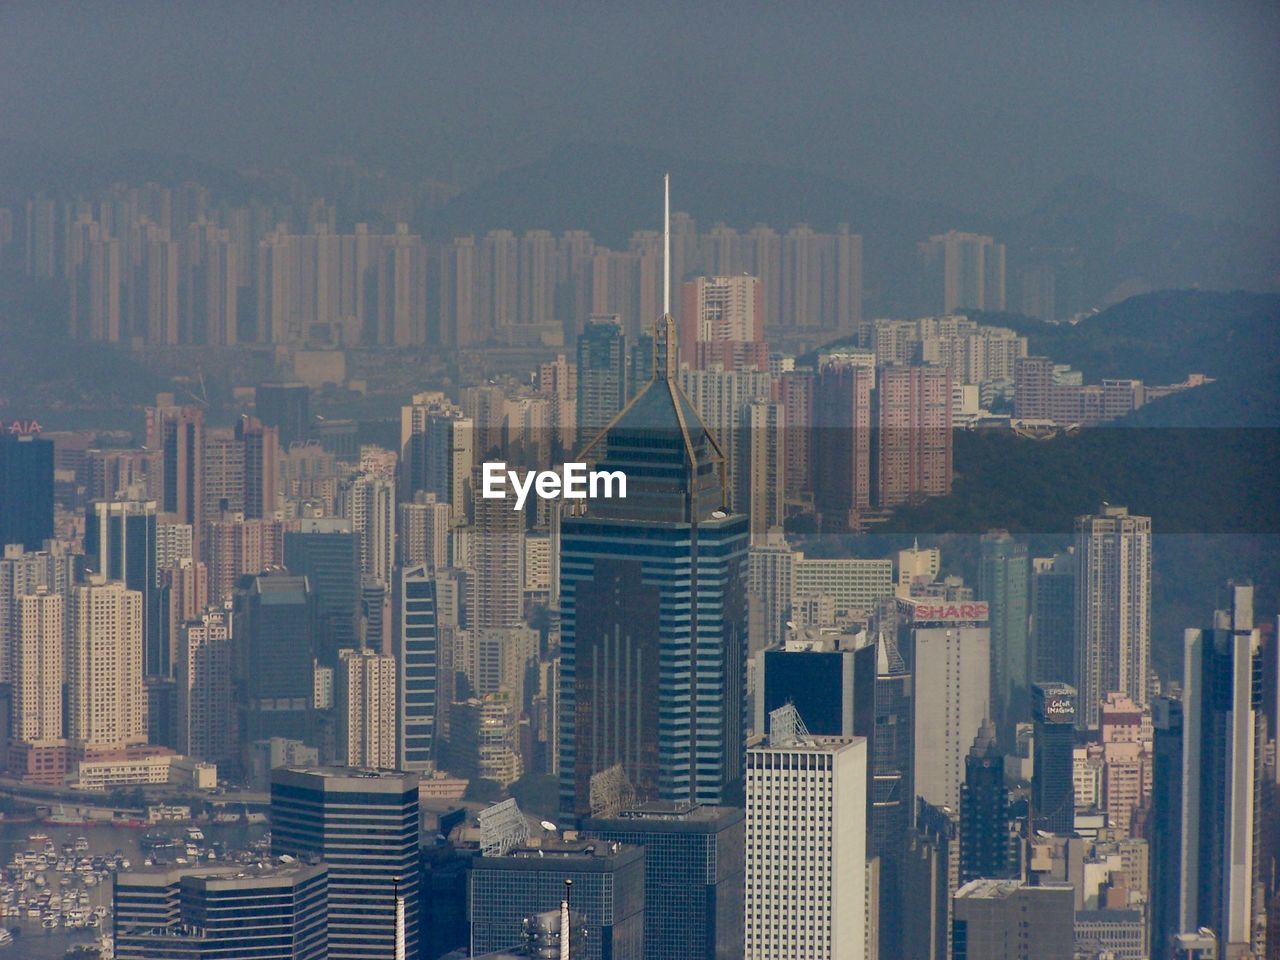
(981, 105)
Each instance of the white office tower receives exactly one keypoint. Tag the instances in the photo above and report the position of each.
(1113, 609)
(806, 844)
(369, 502)
(952, 699)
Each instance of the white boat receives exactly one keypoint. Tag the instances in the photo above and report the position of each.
(49, 921)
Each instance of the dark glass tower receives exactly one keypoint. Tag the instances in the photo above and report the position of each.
(653, 610)
(26, 489)
(286, 406)
(327, 553)
(694, 867)
(364, 825)
(984, 811)
(1053, 798)
(1004, 582)
(120, 542)
(274, 675)
(1165, 828)
(1053, 619)
(418, 666)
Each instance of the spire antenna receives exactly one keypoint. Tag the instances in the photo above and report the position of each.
(666, 244)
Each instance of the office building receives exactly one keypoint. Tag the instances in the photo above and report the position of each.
(106, 701)
(274, 911)
(1003, 581)
(1112, 609)
(602, 376)
(770, 563)
(1165, 828)
(985, 848)
(1009, 920)
(327, 553)
(508, 884)
(1052, 654)
(420, 661)
(205, 713)
(1054, 708)
(365, 695)
(854, 585)
(893, 795)
(1223, 743)
(26, 489)
(261, 450)
(806, 845)
(120, 544)
(930, 877)
(830, 680)
(285, 407)
(364, 826)
(274, 657)
(913, 440)
(951, 656)
(963, 271)
(694, 870)
(176, 434)
(653, 633)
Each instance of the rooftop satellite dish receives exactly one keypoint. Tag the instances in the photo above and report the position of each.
(549, 826)
(718, 514)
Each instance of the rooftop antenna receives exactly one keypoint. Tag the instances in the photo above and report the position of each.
(666, 244)
(400, 939)
(564, 921)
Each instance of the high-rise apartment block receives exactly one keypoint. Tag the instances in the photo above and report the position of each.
(964, 270)
(1112, 609)
(106, 701)
(203, 671)
(914, 441)
(437, 451)
(602, 376)
(365, 695)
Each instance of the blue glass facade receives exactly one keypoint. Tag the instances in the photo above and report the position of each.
(653, 611)
(419, 665)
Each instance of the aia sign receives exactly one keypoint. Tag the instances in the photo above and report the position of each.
(24, 428)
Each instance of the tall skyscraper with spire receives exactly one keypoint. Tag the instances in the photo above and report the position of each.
(653, 608)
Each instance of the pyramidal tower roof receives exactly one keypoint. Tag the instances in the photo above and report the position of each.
(676, 470)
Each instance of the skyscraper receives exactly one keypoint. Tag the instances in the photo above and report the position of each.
(1003, 583)
(203, 672)
(26, 489)
(964, 271)
(261, 466)
(437, 451)
(602, 375)
(840, 442)
(984, 811)
(120, 543)
(694, 863)
(653, 632)
(719, 312)
(1052, 654)
(951, 663)
(419, 659)
(1053, 707)
(106, 702)
(365, 695)
(327, 553)
(761, 473)
(287, 408)
(1112, 608)
(369, 502)
(1223, 744)
(506, 886)
(495, 591)
(176, 434)
(913, 439)
(274, 657)
(364, 825)
(1165, 825)
(806, 843)
(36, 732)
(273, 911)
